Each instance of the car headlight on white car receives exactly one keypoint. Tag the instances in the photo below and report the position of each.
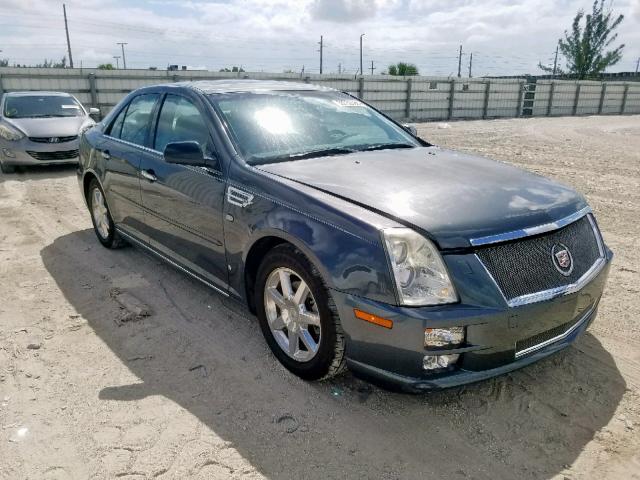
(420, 273)
(10, 133)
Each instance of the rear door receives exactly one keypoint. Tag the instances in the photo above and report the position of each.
(183, 204)
(122, 149)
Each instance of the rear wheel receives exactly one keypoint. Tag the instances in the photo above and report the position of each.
(7, 168)
(101, 217)
(297, 315)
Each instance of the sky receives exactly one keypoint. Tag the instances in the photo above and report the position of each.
(505, 37)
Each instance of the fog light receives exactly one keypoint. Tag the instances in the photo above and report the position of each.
(436, 362)
(443, 337)
(8, 153)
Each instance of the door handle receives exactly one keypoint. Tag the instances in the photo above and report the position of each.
(105, 154)
(149, 175)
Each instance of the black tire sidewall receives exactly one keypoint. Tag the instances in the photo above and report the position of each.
(319, 365)
(109, 241)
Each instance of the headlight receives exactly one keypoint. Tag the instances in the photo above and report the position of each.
(10, 133)
(420, 274)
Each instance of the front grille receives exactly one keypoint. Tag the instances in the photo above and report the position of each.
(50, 156)
(55, 139)
(526, 266)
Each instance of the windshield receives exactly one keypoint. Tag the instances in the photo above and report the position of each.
(33, 106)
(281, 126)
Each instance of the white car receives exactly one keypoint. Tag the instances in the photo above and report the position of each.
(41, 128)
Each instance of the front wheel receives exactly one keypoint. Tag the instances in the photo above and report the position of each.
(297, 315)
(101, 217)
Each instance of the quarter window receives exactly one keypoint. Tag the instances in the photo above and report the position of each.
(137, 119)
(181, 121)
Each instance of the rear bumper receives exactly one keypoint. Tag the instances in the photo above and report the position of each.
(499, 339)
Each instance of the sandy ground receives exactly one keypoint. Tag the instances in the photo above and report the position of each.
(191, 391)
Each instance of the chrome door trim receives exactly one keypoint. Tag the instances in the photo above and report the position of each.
(171, 262)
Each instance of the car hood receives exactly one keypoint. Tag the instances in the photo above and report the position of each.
(49, 127)
(453, 197)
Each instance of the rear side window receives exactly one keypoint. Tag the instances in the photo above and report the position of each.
(137, 119)
(116, 126)
(181, 121)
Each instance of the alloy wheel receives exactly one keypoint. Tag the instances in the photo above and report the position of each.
(292, 314)
(100, 213)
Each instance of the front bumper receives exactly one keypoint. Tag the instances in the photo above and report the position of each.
(15, 152)
(499, 338)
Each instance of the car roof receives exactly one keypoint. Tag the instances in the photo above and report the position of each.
(37, 94)
(242, 85)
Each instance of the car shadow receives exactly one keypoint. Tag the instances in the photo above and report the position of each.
(206, 354)
(38, 172)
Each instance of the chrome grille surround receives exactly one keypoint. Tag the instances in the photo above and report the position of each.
(513, 293)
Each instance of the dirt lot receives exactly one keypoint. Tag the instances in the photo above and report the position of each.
(192, 391)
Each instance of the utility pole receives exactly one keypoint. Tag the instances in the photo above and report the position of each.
(66, 29)
(117, 57)
(124, 59)
(372, 67)
(470, 63)
(637, 63)
(339, 68)
(459, 61)
(361, 71)
(555, 63)
(320, 54)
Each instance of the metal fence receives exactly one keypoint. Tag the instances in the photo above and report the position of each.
(407, 98)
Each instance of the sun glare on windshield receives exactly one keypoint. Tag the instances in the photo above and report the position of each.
(274, 121)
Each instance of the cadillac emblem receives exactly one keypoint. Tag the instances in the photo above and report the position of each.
(562, 259)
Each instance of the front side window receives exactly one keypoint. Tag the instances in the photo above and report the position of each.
(282, 126)
(41, 106)
(181, 121)
(137, 120)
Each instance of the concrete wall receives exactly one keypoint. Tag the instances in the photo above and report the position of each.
(414, 98)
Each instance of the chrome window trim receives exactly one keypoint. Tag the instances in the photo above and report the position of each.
(130, 144)
(557, 338)
(543, 295)
(527, 232)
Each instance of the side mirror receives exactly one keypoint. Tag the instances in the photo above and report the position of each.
(184, 153)
(411, 129)
(94, 112)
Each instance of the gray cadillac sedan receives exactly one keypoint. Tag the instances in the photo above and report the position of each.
(355, 242)
(40, 128)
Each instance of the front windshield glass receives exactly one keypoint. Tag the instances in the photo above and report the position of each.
(282, 126)
(33, 106)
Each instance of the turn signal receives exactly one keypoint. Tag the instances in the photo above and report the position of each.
(371, 318)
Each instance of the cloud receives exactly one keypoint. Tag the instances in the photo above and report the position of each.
(343, 11)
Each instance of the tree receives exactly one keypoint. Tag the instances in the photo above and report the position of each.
(584, 47)
(105, 66)
(232, 69)
(52, 64)
(403, 69)
(4, 62)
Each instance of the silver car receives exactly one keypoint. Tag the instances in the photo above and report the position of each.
(40, 128)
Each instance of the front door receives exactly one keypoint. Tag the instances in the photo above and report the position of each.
(183, 204)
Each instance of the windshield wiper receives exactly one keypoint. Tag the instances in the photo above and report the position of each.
(385, 146)
(325, 152)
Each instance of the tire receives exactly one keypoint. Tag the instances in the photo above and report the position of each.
(317, 305)
(103, 225)
(7, 168)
